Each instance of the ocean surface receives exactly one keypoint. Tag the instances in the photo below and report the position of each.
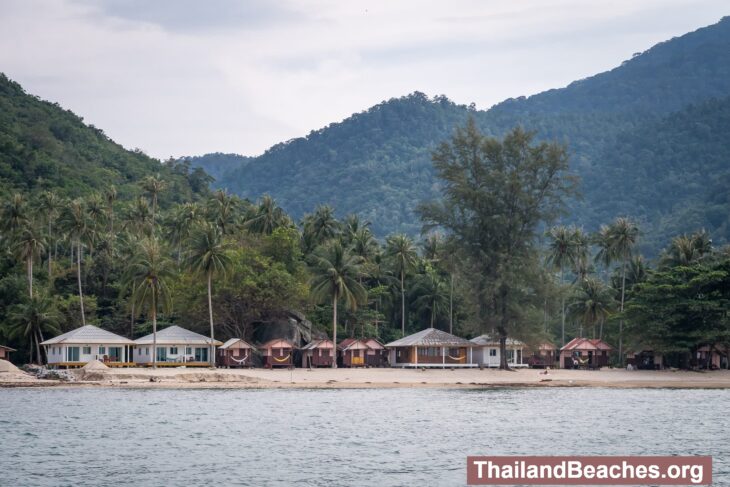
(368, 437)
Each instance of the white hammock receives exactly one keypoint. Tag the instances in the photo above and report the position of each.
(245, 357)
(457, 358)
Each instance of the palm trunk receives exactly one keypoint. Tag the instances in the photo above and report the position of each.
(154, 330)
(78, 277)
(38, 350)
(433, 311)
(562, 306)
(402, 306)
(30, 276)
(451, 304)
(334, 331)
(210, 316)
(621, 321)
(50, 256)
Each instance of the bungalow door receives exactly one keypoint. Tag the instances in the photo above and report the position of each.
(162, 354)
(115, 354)
(72, 354)
(201, 354)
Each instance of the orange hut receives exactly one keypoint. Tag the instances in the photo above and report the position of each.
(236, 352)
(585, 352)
(277, 353)
(353, 352)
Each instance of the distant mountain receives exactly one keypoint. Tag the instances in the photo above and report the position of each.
(377, 163)
(43, 146)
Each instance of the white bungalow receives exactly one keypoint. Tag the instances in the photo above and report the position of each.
(175, 346)
(82, 345)
(431, 348)
(486, 352)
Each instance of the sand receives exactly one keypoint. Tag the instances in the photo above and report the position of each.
(95, 365)
(382, 378)
(10, 374)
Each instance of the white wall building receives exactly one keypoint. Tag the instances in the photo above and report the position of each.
(87, 343)
(486, 352)
(175, 345)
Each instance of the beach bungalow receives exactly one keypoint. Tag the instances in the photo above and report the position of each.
(590, 353)
(486, 352)
(278, 352)
(78, 347)
(318, 353)
(377, 355)
(5, 352)
(353, 352)
(431, 348)
(644, 358)
(544, 355)
(176, 346)
(236, 352)
(711, 357)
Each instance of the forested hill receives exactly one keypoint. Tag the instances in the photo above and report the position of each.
(43, 146)
(377, 163)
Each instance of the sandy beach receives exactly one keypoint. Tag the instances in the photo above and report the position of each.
(369, 378)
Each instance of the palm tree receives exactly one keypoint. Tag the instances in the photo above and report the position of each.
(50, 206)
(75, 222)
(604, 256)
(431, 294)
(153, 185)
(14, 214)
(623, 235)
(29, 244)
(181, 225)
(266, 217)
(222, 210)
(364, 245)
(139, 218)
(686, 249)
(561, 253)
(110, 197)
(209, 255)
(591, 303)
(582, 261)
(146, 278)
(400, 250)
(321, 225)
(352, 226)
(336, 273)
(30, 319)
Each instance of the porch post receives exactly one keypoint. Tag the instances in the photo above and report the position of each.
(415, 348)
(470, 355)
(443, 356)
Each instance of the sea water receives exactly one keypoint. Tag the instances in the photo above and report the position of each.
(369, 437)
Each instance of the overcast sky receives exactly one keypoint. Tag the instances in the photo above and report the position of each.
(187, 77)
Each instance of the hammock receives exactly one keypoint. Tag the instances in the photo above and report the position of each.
(245, 357)
(457, 358)
(583, 361)
(284, 359)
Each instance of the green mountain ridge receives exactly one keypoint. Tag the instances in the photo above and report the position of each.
(377, 163)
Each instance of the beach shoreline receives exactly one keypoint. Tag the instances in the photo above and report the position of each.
(372, 378)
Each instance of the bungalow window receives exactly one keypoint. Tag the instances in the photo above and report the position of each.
(87, 351)
(147, 351)
(188, 351)
(173, 350)
(454, 352)
(492, 352)
(102, 350)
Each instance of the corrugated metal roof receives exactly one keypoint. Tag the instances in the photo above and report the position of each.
(173, 335)
(317, 344)
(285, 343)
(353, 344)
(487, 340)
(236, 341)
(586, 344)
(8, 348)
(431, 337)
(89, 334)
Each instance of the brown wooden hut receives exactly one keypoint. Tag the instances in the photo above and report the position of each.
(377, 355)
(318, 353)
(353, 352)
(236, 352)
(5, 352)
(585, 353)
(278, 352)
(544, 355)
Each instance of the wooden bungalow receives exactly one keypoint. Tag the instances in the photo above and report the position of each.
(544, 355)
(78, 347)
(590, 353)
(278, 352)
(377, 355)
(236, 352)
(711, 357)
(644, 358)
(5, 352)
(318, 353)
(176, 347)
(353, 352)
(431, 348)
(486, 352)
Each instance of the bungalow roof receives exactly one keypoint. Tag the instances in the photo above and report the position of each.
(173, 335)
(237, 343)
(318, 344)
(88, 334)
(586, 344)
(486, 340)
(431, 337)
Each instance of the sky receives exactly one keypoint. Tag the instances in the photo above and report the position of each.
(189, 77)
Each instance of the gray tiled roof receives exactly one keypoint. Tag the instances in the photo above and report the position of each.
(89, 334)
(173, 335)
(431, 337)
(484, 340)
